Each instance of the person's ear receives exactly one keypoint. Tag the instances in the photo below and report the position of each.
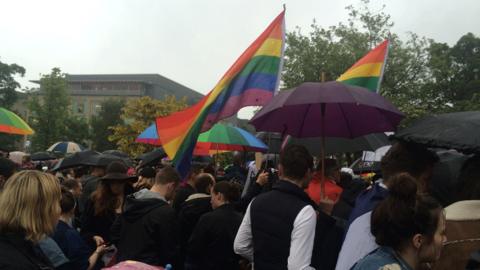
(417, 240)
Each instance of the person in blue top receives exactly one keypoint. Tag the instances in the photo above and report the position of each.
(409, 229)
(80, 255)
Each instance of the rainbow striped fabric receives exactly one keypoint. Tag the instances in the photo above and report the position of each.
(250, 81)
(368, 71)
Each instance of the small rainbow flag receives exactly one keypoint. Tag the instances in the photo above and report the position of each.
(250, 81)
(368, 71)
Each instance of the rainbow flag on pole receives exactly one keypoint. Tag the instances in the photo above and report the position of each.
(250, 81)
(368, 71)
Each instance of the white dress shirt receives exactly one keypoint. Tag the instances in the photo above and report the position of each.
(302, 238)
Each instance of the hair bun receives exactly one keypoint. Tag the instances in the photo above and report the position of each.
(403, 187)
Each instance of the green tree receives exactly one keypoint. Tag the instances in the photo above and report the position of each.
(334, 49)
(102, 124)
(8, 84)
(8, 96)
(455, 72)
(77, 130)
(49, 108)
(137, 115)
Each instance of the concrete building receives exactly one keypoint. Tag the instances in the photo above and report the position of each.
(87, 91)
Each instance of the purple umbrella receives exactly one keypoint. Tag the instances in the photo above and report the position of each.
(330, 109)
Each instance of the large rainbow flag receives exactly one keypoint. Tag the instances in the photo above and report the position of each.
(368, 71)
(250, 81)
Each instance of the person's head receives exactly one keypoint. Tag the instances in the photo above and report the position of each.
(111, 188)
(146, 177)
(407, 222)
(332, 169)
(73, 186)
(168, 180)
(468, 187)
(224, 192)
(238, 159)
(411, 158)
(30, 203)
(7, 169)
(296, 164)
(67, 203)
(195, 169)
(345, 179)
(204, 183)
(98, 171)
(79, 172)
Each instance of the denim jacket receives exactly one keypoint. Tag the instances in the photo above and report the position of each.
(383, 258)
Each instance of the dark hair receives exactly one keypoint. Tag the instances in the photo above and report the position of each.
(331, 165)
(468, 187)
(407, 157)
(71, 184)
(209, 169)
(80, 171)
(167, 175)
(103, 199)
(67, 203)
(147, 172)
(230, 190)
(7, 167)
(296, 160)
(404, 213)
(195, 169)
(202, 182)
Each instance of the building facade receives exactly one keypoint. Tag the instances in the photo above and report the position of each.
(88, 91)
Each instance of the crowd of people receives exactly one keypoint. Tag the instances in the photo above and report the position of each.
(291, 215)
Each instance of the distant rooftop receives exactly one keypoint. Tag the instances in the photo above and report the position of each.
(162, 85)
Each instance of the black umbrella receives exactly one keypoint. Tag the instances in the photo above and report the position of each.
(39, 156)
(86, 157)
(445, 176)
(333, 145)
(459, 131)
(152, 158)
(103, 160)
(117, 153)
(124, 156)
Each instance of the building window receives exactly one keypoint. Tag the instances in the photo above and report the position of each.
(87, 86)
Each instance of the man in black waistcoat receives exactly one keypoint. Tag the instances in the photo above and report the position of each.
(278, 229)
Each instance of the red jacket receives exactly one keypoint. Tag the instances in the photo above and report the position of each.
(332, 191)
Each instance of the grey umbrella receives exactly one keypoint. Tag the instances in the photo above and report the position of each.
(333, 145)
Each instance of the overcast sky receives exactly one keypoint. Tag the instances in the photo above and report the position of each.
(192, 42)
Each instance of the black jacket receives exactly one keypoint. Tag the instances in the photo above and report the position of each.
(181, 194)
(92, 225)
(272, 218)
(16, 253)
(190, 212)
(147, 231)
(211, 244)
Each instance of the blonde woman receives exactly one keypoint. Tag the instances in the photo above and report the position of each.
(30, 208)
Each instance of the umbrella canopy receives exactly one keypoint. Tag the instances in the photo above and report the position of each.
(369, 142)
(86, 157)
(117, 153)
(220, 138)
(226, 137)
(149, 135)
(16, 156)
(13, 124)
(459, 131)
(66, 147)
(330, 109)
(153, 157)
(43, 156)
